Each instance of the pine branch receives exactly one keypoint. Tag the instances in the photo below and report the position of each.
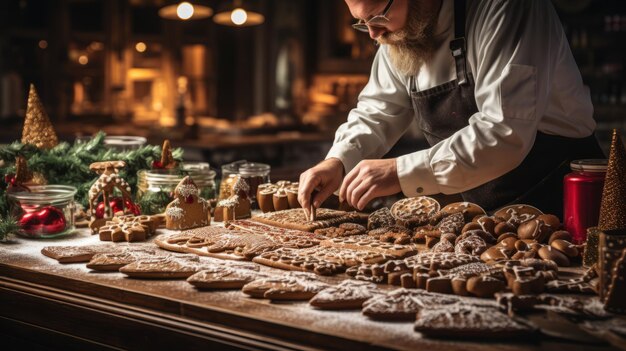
(8, 226)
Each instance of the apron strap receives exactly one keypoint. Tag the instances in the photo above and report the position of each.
(457, 45)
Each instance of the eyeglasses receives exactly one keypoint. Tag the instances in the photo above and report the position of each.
(376, 21)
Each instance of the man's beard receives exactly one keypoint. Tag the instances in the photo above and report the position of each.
(414, 44)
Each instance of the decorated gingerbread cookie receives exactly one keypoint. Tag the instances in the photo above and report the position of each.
(468, 209)
(415, 210)
(518, 214)
(188, 210)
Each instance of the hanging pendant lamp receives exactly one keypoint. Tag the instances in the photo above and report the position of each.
(184, 11)
(236, 16)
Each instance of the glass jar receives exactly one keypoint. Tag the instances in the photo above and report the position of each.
(119, 143)
(252, 173)
(46, 211)
(155, 187)
(582, 195)
(123, 143)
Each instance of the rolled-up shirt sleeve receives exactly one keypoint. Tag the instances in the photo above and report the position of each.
(513, 48)
(382, 115)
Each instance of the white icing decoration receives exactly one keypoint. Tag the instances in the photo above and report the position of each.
(187, 190)
(175, 213)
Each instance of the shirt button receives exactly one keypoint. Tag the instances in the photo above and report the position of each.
(419, 189)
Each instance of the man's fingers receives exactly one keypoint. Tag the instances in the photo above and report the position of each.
(347, 180)
(307, 184)
(369, 195)
(322, 195)
(356, 190)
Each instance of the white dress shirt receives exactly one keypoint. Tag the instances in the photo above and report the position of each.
(526, 80)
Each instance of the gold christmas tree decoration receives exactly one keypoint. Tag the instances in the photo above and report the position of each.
(38, 129)
(613, 206)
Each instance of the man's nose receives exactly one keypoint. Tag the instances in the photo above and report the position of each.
(375, 32)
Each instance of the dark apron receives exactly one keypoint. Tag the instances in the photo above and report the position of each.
(443, 110)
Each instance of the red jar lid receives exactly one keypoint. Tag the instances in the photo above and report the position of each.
(589, 165)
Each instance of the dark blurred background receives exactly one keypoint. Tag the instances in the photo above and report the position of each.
(271, 92)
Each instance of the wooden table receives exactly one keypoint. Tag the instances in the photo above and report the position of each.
(54, 305)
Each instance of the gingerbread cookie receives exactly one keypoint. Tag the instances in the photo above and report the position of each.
(344, 229)
(380, 218)
(471, 245)
(74, 254)
(296, 260)
(167, 267)
(188, 210)
(290, 238)
(371, 245)
(577, 286)
(322, 261)
(415, 209)
(128, 228)
(225, 277)
(535, 229)
(451, 224)
(393, 234)
(468, 209)
(292, 286)
(577, 307)
(296, 219)
(403, 304)
(464, 320)
(113, 261)
(518, 214)
(443, 246)
(442, 260)
(217, 242)
(347, 295)
(394, 272)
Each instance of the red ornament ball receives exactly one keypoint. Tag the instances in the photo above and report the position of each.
(48, 220)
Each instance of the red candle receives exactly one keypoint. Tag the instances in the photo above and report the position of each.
(582, 193)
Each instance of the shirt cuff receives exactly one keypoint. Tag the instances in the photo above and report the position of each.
(347, 154)
(415, 174)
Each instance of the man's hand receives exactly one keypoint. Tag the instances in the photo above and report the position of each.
(324, 178)
(368, 180)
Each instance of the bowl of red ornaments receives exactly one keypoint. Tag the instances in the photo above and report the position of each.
(44, 211)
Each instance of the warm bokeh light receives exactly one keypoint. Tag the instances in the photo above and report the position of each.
(96, 46)
(43, 44)
(83, 59)
(141, 46)
(239, 16)
(184, 10)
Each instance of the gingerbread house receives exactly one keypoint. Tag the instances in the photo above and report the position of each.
(237, 206)
(188, 209)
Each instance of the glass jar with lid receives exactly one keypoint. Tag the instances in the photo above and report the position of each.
(155, 187)
(46, 211)
(252, 173)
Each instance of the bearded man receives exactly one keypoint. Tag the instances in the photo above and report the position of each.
(495, 90)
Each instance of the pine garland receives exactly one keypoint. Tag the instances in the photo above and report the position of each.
(8, 226)
(154, 202)
(69, 164)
